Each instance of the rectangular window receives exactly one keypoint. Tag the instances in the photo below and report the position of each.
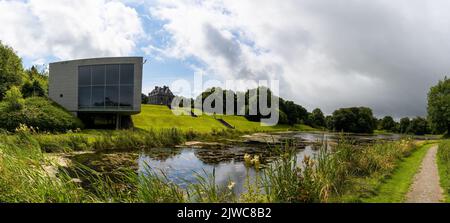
(84, 76)
(98, 96)
(112, 74)
(127, 74)
(126, 96)
(84, 97)
(98, 75)
(109, 86)
(112, 96)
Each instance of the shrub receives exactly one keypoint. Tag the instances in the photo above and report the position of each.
(39, 113)
(14, 99)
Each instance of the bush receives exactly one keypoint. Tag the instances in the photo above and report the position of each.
(14, 99)
(39, 113)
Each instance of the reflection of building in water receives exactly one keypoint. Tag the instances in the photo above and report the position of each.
(160, 96)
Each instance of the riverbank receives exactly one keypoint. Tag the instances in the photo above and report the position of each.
(393, 188)
(326, 177)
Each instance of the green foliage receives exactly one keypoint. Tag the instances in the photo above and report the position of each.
(11, 70)
(290, 112)
(329, 122)
(144, 99)
(404, 125)
(36, 83)
(28, 175)
(355, 119)
(317, 118)
(439, 107)
(296, 114)
(13, 100)
(419, 126)
(396, 186)
(388, 123)
(39, 113)
(33, 88)
(443, 161)
(157, 188)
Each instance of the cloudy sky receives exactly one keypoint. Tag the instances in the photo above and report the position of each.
(383, 54)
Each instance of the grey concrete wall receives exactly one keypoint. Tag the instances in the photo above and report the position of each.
(63, 80)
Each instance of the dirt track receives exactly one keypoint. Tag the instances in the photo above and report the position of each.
(426, 187)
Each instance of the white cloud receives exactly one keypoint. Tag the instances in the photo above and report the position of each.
(328, 54)
(69, 29)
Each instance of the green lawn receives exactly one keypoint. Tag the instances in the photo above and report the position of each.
(394, 189)
(157, 117)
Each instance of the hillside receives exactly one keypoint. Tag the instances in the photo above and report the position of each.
(158, 117)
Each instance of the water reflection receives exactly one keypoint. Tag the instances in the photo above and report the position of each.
(181, 165)
(182, 169)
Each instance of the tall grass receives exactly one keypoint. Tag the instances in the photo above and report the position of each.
(26, 176)
(330, 175)
(443, 161)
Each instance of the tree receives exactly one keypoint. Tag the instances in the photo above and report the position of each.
(33, 88)
(14, 99)
(35, 83)
(355, 119)
(388, 123)
(329, 122)
(317, 118)
(439, 107)
(295, 113)
(11, 70)
(144, 99)
(404, 125)
(419, 126)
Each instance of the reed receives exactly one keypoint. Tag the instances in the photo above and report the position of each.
(27, 175)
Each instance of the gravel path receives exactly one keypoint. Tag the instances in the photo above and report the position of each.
(426, 187)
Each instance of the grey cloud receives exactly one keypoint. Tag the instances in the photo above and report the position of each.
(331, 54)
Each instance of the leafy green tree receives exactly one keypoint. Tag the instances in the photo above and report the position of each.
(439, 107)
(329, 122)
(404, 125)
(11, 70)
(419, 126)
(388, 123)
(282, 117)
(35, 84)
(33, 88)
(317, 118)
(144, 99)
(14, 99)
(355, 119)
(295, 113)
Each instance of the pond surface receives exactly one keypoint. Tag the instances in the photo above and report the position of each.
(182, 165)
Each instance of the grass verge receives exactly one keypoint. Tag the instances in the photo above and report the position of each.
(395, 187)
(443, 161)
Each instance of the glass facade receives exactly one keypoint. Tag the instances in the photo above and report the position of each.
(109, 86)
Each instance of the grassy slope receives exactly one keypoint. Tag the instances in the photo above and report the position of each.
(444, 168)
(157, 117)
(394, 189)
